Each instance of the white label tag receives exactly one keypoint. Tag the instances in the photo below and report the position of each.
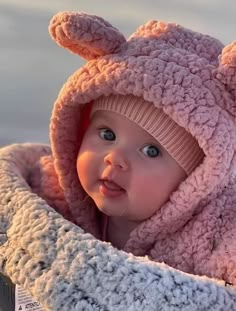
(24, 302)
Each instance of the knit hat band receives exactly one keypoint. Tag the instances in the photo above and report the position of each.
(175, 139)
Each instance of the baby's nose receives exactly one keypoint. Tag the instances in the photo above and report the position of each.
(117, 158)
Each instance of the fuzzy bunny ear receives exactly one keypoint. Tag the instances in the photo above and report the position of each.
(226, 72)
(89, 36)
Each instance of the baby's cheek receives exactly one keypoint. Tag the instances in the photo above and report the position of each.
(151, 194)
(82, 167)
(140, 190)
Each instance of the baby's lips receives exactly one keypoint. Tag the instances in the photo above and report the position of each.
(111, 185)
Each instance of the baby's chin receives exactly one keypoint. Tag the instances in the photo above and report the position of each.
(122, 215)
(111, 212)
(110, 207)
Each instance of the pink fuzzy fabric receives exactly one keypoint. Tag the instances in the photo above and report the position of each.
(179, 71)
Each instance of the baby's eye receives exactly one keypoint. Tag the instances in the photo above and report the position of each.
(107, 134)
(151, 151)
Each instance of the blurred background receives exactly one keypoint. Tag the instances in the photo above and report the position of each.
(33, 68)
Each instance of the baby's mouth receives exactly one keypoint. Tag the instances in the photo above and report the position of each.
(110, 189)
(111, 185)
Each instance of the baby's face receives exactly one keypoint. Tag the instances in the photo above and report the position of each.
(124, 169)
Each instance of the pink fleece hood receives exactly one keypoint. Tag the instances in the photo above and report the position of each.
(187, 74)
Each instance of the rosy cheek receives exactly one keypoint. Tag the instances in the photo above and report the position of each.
(81, 166)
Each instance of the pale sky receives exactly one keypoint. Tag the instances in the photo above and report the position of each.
(33, 68)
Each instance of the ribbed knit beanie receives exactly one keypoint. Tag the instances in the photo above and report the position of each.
(175, 139)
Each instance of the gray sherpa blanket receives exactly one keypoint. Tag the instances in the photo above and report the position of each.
(65, 268)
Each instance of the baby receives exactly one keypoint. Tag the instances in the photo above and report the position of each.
(143, 142)
(132, 157)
